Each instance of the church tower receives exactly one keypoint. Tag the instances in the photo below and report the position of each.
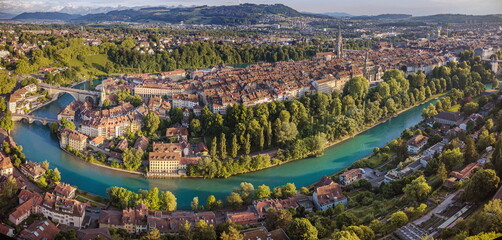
(102, 96)
(339, 50)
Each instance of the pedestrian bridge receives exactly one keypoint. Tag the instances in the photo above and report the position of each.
(78, 94)
(31, 118)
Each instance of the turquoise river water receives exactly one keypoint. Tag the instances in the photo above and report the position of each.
(40, 145)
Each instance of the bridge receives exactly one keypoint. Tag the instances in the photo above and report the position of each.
(31, 118)
(78, 94)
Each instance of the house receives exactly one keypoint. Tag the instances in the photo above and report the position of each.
(461, 176)
(449, 118)
(6, 230)
(28, 204)
(32, 170)
(97, 141)
(328, 196)
(65, 190)
(325, 180)
(63, 210)
(133, 220)
(39, 230)
(180, 133)
(122, 145)
(263, 234)
(74, 139)
(261, 207)
(6, 167)
(242, 218)
(141, 143)
(416, 143)
(94, 233)
(350, 176)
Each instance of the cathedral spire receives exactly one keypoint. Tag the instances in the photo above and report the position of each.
(339, 50)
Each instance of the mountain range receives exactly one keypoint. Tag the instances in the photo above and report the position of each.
(224, 15)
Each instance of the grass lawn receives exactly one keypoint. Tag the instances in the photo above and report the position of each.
(455, 108)
(94, 65)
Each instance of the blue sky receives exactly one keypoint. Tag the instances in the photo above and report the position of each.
(355, 7)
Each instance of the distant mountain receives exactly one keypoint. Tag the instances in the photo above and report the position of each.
(45, 16)
(459, 18)
(222, 15)
(332, 14)
(383, 17)
(4, 15)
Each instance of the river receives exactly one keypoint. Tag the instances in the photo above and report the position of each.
(40, 145)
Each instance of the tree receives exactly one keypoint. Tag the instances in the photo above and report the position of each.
(56, 175)
(489, 219)
(482, 184)
(262, 192)
(66, 235)
(345, 219)
(442, 173)
(214, 148)
(153, 234)
(398, 219)
(288, 190)
(485, 139)
(211, 202)
(6, 121)
(286, 131)
(168, 201)
(497, 156)
(234, 146)
(429, 111)
(152, 122)
(470, 108)
(232, 234)
(485, 236)
(234, 199)
(195, 203)
(132, 158)
(470, 153)
(417, 190)
(67, 124)
(357, 87)
(275, 219)
(363, 232)
(247, 144)
(152, 199)
(302, 229)
(452, 158)
(9, 189)
(203, 231)
(195, 127)
(186, 231)
(247, 191)
(261, 139)
(345, 235)
(45, 165)
(223, 146)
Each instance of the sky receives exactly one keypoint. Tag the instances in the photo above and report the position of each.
(354, 7)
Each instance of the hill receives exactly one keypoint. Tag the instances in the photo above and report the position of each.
(45, 16)
(383, 17)
(459, 18)
(221, 15)
(4, 15)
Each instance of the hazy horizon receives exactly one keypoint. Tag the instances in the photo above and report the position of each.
(355, 7)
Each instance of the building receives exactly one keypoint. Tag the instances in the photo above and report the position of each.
(97, 141)
(39, 230)
(133, 220)
(181, 133)
(263, 234)
(6, 230)
(416, 143)
(94, 233)
(74, 139)
(185, 100)
(28, 203)
(243, 218)
(350, 176)
(32, 170)
(65, 190)
(6, 167)
(63, 210)
(328, 196)
(165, 159)
(449, 118)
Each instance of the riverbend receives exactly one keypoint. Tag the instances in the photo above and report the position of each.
(40, 145)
